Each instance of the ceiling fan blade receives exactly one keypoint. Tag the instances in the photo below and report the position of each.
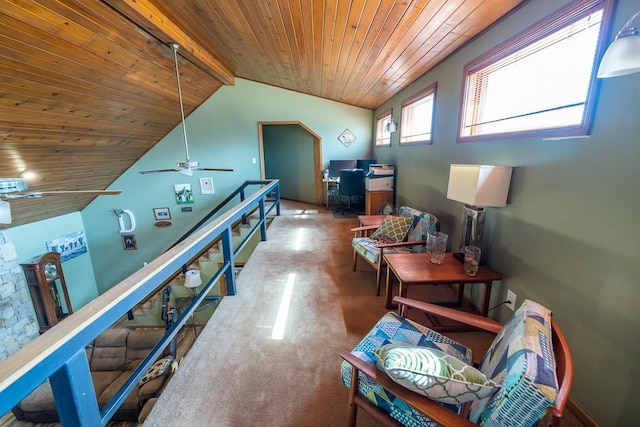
(81, 192)
(215, 169)
(37, 194)
(159, 170)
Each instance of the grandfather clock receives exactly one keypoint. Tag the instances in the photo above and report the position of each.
(46, 281)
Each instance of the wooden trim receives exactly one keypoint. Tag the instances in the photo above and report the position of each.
(581, 414)
(149, 18)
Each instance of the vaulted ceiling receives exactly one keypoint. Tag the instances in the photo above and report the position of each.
(87, 87)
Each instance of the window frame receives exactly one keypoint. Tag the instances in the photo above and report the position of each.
(561, 18)
(380, 124)
(428, 91)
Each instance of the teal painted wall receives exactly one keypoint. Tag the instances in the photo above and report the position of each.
(568, 236)
(288, 156)
(30, 241)
(222, 132)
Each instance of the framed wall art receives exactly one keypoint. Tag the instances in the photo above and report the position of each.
(161, 214)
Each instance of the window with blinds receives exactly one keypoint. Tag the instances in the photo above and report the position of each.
(417, 117)
(541, 82)
(383, 136)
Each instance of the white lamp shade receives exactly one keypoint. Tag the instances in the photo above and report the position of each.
(192, 279)
(622, 57)
(5, 212)
(479, 185)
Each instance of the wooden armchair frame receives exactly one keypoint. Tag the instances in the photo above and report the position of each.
(364, 231)
(432, 409)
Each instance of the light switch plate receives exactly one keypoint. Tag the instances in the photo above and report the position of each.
(206, 186)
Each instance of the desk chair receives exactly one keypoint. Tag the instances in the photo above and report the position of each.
(351, 184)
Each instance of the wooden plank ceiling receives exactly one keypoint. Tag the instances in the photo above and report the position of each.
(87, 87)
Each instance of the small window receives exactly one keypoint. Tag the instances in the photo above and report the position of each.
(383, 136)
(539, 83)
(417, 117)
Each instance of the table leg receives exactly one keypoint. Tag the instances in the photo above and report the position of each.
(388, 287)
(486, 296)
(460, 294)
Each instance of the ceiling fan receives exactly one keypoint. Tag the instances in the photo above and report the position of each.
(188, 166)
(16, 188)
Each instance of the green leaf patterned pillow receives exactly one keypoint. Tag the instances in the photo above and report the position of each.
(393, 229)
(433, 373)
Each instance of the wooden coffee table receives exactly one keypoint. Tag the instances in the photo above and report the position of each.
(415, 269)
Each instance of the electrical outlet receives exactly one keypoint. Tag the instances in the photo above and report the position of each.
(511, 297)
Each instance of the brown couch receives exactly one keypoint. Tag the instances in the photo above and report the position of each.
(112, 357)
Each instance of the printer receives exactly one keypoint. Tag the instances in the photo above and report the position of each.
(379, 178)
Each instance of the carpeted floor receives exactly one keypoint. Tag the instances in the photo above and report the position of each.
(237, 374)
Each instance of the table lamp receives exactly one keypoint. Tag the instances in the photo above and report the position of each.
(192, 279)
(477, 186)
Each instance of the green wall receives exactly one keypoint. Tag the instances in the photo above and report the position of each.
(30, 240)
(222, 132)
(567, 237)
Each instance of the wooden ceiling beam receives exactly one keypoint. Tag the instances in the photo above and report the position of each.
(152, 20)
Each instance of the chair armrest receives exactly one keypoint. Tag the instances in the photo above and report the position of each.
(397, 244)
(479, 322)
(432, 409)
(365, 228)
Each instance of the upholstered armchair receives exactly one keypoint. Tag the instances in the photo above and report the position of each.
(406, 232)
(403, 373)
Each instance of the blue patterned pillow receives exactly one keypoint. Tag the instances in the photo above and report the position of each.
(521, 359)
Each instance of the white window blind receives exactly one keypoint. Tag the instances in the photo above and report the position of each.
(383, 137)
(544, 84)
(417, 117)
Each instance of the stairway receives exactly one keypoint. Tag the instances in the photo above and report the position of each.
(148, 313)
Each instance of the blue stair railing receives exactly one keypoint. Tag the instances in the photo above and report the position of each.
(59, 355)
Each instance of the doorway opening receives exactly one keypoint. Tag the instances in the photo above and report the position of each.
(292, 152)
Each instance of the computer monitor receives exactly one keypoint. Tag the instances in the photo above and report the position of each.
(364, 165)
(335, 166)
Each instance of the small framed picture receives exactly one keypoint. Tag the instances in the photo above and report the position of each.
(129, 242)
(161, 213)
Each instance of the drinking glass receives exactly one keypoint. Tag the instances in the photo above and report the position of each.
(437, 245)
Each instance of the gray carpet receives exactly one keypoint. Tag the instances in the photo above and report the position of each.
(238, 375)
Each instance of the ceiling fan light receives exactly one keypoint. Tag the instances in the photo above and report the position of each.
(5, 212)
(12, 185)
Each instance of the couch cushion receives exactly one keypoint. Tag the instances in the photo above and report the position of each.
(41, 399)
(140, 341)
(433, 373)
(392, 328)
(110, 351)
(521, 359)
(393, 229)
(131, 402)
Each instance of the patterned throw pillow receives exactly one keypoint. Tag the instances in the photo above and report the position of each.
(433, 373)
(393, 229)
(156, 369)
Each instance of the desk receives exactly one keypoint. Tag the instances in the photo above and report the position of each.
(328, 184)
(415, 269)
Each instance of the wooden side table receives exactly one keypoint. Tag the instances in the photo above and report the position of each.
(415, 269)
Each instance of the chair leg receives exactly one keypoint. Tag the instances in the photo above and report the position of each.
(378, 278)
(355, 259)
(353, 408)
